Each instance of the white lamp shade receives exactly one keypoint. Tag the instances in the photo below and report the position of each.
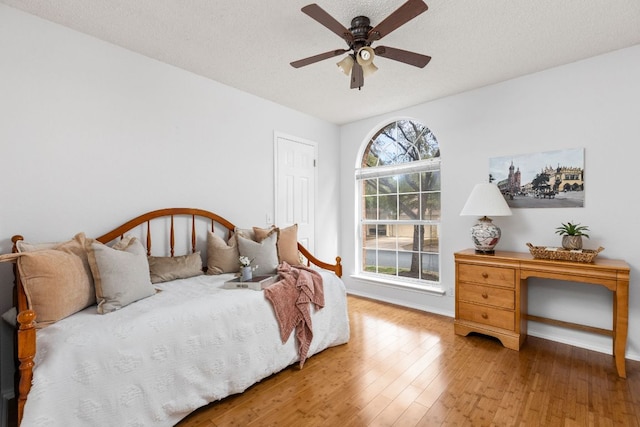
(365, 56)
(486, 200)
(345, 65)
(369, 69)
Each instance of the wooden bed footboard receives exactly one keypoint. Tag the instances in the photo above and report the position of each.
(26, 330)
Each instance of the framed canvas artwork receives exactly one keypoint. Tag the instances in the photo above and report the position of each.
(550, 179)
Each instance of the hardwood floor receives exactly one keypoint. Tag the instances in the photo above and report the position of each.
(404, 367)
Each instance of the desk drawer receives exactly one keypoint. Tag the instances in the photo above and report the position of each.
(497, 297)
(487, 315)
(487, 275)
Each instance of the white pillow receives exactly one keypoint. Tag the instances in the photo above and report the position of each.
(121, 274)
(263, 255)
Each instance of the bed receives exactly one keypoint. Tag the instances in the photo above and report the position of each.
(154, 360)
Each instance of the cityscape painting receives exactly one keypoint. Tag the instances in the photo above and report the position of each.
(551, 179)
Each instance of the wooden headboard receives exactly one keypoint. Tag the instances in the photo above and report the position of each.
(171, 237)
(194, 214)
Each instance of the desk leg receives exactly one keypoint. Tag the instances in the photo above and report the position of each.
(620, 326)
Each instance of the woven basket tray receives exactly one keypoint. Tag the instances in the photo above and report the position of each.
(545, 252)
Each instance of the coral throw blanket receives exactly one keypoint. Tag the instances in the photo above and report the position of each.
(291, 297)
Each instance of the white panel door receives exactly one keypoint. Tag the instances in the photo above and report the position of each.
(296, 187)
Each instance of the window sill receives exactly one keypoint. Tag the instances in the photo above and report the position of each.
(423, 289)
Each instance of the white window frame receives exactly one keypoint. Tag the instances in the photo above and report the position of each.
(427, 165)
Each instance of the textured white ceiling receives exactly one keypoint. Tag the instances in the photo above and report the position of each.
(248, 44)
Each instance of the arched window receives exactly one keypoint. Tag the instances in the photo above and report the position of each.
(399, 190)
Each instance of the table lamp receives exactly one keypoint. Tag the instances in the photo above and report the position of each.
(485, 200)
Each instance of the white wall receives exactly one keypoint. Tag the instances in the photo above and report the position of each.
(92, 135)
(591, 104)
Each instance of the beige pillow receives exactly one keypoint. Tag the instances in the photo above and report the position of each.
(55, 283)
(222, 257)
(288, 245)
(23, 246)
(246, 233)
(259, 234)
(263, 255)
(56, 277)
(163, 269)
(121, 274)
(287, 242)
(79, 246)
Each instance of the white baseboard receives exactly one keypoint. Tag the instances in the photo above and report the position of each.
(581, 343)
(402, 303)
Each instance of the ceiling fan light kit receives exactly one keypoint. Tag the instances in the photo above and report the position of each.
(358, 64)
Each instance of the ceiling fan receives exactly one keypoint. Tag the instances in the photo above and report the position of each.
(359, 62)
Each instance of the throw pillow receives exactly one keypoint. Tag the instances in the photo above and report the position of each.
(222, 257)
(163, 269)
(78, 245)
(246, 233)
(59, 283)
(287, 242)
(121, 274)
(263, 255)
(259, 234)
(55, 283)
(31, 247)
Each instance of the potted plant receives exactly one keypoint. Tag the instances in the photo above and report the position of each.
(572, 235)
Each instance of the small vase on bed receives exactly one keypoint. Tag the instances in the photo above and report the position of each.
(246, 272)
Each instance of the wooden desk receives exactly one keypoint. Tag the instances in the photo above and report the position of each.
(491, 295)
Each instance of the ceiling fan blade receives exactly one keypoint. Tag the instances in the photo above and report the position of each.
(357, 76)
(319, 14)
(400, 16)
(405, 56)
(316, 58)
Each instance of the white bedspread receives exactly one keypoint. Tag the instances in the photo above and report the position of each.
(157, 360)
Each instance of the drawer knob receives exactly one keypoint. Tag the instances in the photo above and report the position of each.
(485, 316)
(485, 274)
(485, 295)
